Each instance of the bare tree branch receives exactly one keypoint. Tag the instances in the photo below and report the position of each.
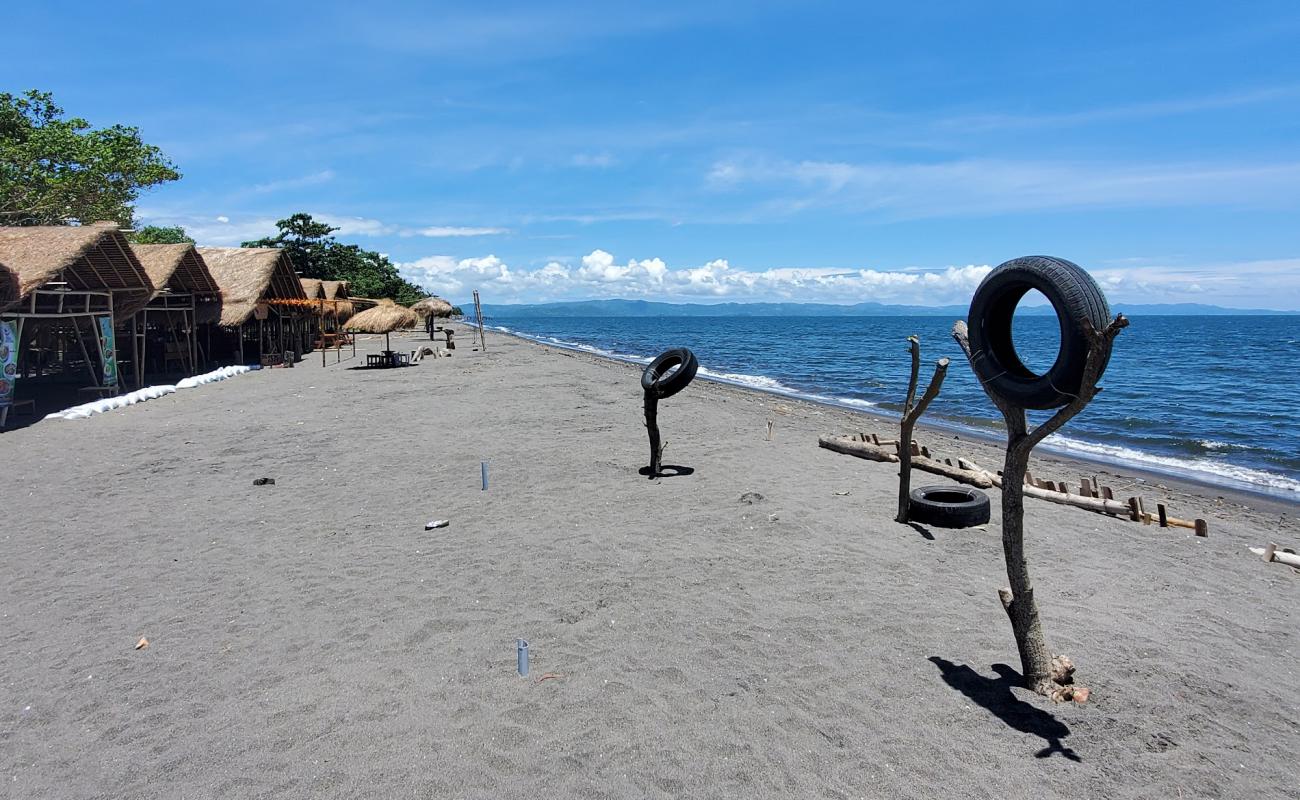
(910, 416)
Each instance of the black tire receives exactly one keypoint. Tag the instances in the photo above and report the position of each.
(653, 380)
(1073, 294)
(948, 506)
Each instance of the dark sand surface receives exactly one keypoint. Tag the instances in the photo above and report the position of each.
(310, 639)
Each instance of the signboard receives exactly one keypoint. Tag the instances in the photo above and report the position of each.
(107, 350)
(8, 363)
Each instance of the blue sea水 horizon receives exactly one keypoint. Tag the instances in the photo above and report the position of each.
(1209, 398)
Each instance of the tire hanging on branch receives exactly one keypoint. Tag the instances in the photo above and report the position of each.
(661, 381)
(664, 377)
(1075, 297)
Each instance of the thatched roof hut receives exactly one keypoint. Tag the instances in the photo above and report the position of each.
(248, 276)
(177, 267)
(312, 288)
(334, 290)
(432, 307)
(385, 317)
(93, 257)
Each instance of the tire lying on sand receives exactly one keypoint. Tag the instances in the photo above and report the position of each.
(948, 506)
(657, 381)
(1073, 294)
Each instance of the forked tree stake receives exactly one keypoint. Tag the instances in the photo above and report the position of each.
(1018, 598)
(910, 415)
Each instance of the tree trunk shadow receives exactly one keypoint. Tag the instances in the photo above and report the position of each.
(921, 529)
(994, 694)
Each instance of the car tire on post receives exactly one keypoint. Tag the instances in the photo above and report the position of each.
(657, 381)
(1075, 297)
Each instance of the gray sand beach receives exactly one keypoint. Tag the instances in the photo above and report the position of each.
(310, 639)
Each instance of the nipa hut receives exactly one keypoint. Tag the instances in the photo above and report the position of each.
(60, 290)
(165, 327)
(263, 304)
(340, 302)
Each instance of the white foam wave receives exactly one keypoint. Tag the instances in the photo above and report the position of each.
(1203, 469)
(753, 381)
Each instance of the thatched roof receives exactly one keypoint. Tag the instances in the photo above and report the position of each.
(432, 307)
(248, 276)
(383, 318)
(334, 290)
(87, 257)
(177, 267)
(312, 288)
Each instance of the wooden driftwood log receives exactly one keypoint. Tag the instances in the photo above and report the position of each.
(854, 447)
(1272, 553)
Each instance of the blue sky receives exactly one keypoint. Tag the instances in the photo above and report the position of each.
(717, 151)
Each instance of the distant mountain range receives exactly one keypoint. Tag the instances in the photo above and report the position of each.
(647, 308)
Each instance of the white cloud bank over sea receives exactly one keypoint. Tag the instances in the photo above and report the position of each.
(599, 275)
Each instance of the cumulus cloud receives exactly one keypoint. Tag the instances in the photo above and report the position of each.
(600, 275)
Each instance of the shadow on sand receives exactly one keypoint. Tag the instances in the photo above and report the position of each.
(667, 471)
(995, 695)
(921, 529)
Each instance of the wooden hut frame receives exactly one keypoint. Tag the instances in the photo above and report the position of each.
(67, 273)
(254, 283)
(183, 290)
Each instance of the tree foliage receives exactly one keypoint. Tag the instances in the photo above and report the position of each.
(155, 234)
(57, 171)
(317, 254)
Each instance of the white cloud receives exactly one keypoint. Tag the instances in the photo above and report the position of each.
(597, 160)
(991, 186)
(314, 179)
(453, 231)
(205, 229)
(599, 275)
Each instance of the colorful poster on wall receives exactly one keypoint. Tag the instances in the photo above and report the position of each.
(107, 350)
(8, 362)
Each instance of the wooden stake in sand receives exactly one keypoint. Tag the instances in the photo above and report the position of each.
(1018, 599)
(912, 412)
(478, 313)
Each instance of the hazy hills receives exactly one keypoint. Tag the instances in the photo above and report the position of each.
(647, 308)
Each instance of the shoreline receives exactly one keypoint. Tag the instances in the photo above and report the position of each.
(1244, 492)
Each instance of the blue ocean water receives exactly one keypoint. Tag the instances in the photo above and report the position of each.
(1210, 398)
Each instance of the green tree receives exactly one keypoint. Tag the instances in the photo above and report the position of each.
(316, 254)
(155, 234)
(308, 243)
(57, 171)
